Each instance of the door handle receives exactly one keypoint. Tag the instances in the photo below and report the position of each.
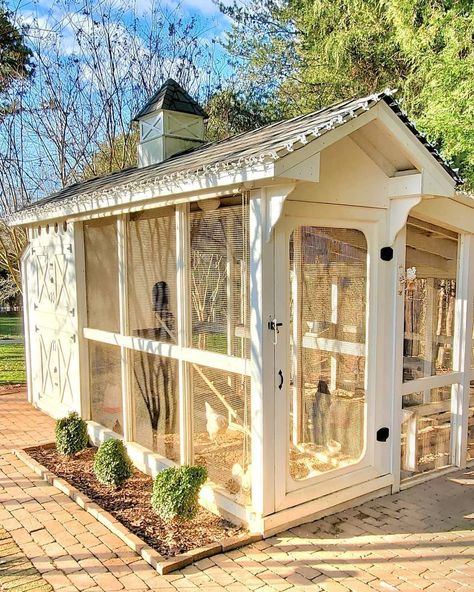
(280, 374)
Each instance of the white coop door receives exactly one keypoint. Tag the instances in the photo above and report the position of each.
(324, 397)
(53, 324)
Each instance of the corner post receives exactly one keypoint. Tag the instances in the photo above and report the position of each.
(262, 356)
(462, 349)
(26, 296)
(183, 331)
(80, 256)
(399, 250)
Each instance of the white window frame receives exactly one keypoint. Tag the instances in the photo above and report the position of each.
(185, 355)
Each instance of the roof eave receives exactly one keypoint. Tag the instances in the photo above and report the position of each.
(245, 168)
(438, 178)
(127, 199)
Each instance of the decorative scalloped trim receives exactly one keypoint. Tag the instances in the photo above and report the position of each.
(85, 202)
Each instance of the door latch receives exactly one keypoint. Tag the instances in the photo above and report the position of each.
(383, 434)
(273, 325)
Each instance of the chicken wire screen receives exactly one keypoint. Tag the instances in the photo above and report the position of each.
(327, 286)
(430, 300)
(220, 276)
(156, 404)
(105, 385)
(221, 428)
(152, 274)
(426, 431)
(102, 283)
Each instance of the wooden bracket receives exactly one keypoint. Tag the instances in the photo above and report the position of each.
(274, 199)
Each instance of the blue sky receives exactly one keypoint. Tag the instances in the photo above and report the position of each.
(52, 14)
(199, 8)
(55, 23)
(105, 56)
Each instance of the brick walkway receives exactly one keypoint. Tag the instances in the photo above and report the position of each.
(420, 539)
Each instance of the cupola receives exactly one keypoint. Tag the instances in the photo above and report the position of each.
(171, 122)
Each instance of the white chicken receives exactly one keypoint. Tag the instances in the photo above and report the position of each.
(216, 424)
(242, 478)
(333, 448)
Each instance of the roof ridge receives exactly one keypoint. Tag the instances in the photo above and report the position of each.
(171, 96)
(276, 123)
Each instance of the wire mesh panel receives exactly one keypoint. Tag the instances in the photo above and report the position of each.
(328, 279)
(106, 385)
(426, 431)
(430, 300)
(156, 404)
(152, 274)
(221, 428)
(220, 276)
(102, 283)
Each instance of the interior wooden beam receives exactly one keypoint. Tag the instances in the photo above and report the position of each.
(415, 222)
(428, 243)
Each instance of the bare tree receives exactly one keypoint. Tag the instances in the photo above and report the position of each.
(94, 68)
(13, 193)
(208, 280)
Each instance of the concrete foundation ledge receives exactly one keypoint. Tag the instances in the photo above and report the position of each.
(161, 564)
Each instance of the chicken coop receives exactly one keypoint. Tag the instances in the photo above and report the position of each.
(291, 307)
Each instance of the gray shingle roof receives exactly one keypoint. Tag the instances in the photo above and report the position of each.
(267, 143)
(173, 97)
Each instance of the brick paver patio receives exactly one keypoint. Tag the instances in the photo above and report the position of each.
(420, 539)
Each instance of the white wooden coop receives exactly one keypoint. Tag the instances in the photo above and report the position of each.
(291, 307)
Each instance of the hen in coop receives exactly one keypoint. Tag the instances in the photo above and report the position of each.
(216, 424)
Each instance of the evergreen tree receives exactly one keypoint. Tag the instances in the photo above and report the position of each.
(309, 53)
(15, 56)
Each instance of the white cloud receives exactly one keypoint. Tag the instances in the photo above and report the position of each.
(206, 8)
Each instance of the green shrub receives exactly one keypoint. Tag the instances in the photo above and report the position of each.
(176, 492)
(71, 434)
(112, 465)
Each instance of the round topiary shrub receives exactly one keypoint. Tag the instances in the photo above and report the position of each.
(176, 492)
(112, 465)
(71, 434)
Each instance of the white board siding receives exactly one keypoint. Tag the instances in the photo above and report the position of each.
(52, 321)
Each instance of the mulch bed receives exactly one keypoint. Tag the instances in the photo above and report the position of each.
(130, 505)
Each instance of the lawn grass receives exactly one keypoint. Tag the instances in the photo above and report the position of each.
(12, 355)
(214, 342)
(12, 364)
(11, 326)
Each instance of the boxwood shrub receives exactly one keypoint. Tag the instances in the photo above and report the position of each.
(112, 465)
(71, 434)
(176, 492)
